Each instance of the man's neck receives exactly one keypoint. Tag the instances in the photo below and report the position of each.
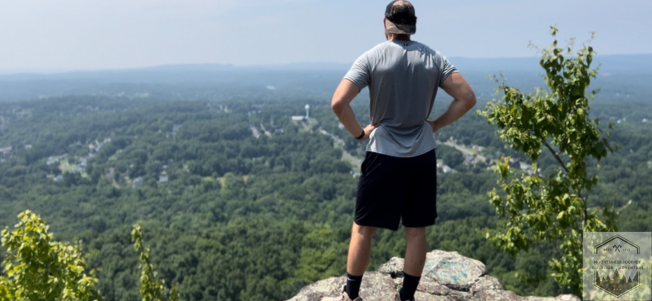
(399, 37)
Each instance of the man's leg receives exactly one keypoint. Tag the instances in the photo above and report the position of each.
(359, 253)
(415, 258)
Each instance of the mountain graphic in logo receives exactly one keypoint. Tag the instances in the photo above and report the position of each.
(617, 281)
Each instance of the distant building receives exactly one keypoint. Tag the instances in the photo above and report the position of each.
(137, 182)
(302, 118)
(441, 167)
(514, 162)
(55, 159)
(111, 174)
(163, 178)
(649, 164)
(645, 120)
(6, 150)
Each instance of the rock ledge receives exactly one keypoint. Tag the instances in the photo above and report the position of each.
(447, 276)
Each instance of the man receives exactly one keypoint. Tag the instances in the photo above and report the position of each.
(399, 170)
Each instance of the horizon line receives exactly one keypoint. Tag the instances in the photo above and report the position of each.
(52, 71)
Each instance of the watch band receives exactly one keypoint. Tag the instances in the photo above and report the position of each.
(361, 135)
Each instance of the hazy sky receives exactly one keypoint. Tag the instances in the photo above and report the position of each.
(92, 34)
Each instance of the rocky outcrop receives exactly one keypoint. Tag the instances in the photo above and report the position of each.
(447, 276)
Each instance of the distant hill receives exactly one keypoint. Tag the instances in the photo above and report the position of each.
(620, 75)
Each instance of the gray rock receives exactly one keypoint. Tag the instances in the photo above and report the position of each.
(433, 288)
(447, 276)
(375, 287)
(486, 283)
(394, 267)
(497, 295)
(452, 270)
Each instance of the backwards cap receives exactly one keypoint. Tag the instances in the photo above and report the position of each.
(400, 18)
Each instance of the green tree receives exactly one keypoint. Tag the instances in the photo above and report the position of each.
(451, 156)
(319, 256)
(38, 268)
(551, 208)
(151, 288)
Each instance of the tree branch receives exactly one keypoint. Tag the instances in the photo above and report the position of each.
(556, 155)
(586, 214)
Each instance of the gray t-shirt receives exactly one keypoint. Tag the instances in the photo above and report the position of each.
(403, 78)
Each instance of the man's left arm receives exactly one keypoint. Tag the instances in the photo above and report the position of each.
(341, 105)
(463, 100)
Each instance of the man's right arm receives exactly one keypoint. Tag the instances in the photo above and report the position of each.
(463, 100)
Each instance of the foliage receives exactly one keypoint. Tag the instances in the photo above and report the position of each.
(246, 218)
(151, 288)
(551, 208)
(38, 268)
(451, 156)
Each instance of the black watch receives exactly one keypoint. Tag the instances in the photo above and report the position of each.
(361, 135)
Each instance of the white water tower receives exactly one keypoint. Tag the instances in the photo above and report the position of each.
(307, 111)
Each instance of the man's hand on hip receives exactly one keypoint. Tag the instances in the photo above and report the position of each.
(434, 125)
(367, 131)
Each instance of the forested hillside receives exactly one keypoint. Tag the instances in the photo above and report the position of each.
(240, 202)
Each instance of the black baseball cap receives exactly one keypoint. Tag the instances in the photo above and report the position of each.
(400, 18)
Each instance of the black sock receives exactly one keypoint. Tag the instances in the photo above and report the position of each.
(410, 284)
(353, 285)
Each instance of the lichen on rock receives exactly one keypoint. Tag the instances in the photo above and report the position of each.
(447, 276)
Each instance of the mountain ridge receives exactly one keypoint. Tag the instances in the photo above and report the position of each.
(619, 61)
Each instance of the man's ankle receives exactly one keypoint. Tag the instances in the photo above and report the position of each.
(401, 294)
(410, 284)
(353, 285)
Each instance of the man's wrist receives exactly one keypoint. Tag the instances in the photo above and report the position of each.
(433, 125)
(361, 135)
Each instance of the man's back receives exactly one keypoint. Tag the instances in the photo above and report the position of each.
(403, 78)
(398, 175)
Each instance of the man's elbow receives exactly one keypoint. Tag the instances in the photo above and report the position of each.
(470, 100)
(337, 106)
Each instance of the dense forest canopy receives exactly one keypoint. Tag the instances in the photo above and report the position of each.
(238, 201)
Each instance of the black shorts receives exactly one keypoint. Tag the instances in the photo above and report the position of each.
(392, 188)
